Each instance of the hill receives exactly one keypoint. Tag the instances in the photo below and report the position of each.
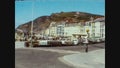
(43, 22)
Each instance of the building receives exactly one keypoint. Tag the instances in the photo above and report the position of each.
(19, 35)
(92, 28)
(96, 27)
(100, 27)
(51, 30)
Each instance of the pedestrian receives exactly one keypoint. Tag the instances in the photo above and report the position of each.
(85, 42)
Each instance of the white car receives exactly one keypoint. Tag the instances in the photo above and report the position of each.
(94, 40)
(75, 41)
(66, 42)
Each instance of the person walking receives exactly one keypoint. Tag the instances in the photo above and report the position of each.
(85, 42)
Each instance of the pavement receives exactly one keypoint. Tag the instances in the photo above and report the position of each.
(93, 59)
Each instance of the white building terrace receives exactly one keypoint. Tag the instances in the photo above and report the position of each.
(93, 28)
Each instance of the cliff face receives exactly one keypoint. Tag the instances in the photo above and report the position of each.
(43, 22)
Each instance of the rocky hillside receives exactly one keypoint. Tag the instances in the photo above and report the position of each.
(43, 22)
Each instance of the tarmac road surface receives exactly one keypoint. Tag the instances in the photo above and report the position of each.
(47, 57)
(30, 58)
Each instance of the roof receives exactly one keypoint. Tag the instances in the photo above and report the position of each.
(100, 19)
(19, 30)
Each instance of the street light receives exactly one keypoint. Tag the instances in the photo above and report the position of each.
(32, 24)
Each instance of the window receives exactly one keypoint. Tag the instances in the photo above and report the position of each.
(89, 24)
(94, 26)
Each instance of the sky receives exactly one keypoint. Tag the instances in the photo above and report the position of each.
(24, 13)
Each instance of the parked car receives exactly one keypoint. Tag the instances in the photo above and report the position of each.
(75, 41)
(94, 40)
(102, 39)
(66, 42)
(34, 43)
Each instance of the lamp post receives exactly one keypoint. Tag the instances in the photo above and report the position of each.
(86, 39)
(32, 24)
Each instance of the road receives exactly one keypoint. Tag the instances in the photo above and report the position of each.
(27, 58)
(47, 57)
